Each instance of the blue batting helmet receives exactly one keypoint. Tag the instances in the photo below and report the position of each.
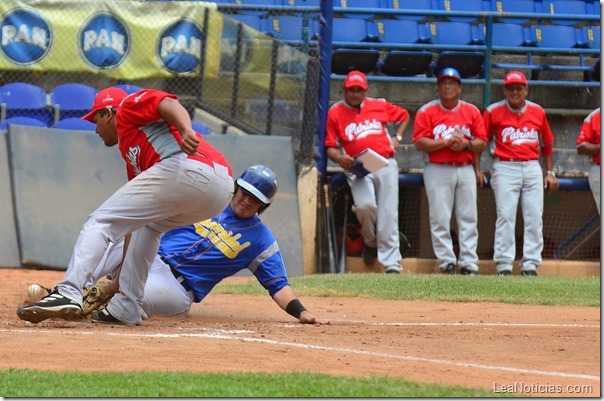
(449, 73)
(261, 182)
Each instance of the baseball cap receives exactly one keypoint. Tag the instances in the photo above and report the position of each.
(449, 73)
(515, 77)
(355, 79)
(106, 98)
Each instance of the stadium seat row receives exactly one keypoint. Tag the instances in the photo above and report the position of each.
(552, 7)
(28, 104)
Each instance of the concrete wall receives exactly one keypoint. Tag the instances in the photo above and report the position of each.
(57, 178)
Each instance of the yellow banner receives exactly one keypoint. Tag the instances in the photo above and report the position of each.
(126, 40)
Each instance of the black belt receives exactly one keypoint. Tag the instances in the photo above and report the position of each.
(181, 280)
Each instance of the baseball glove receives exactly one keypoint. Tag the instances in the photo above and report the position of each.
(96, 297)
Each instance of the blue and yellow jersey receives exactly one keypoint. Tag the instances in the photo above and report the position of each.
(209, 251)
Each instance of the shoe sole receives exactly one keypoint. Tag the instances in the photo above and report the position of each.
(36, 314)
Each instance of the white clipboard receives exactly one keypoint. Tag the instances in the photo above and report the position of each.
(372, 161)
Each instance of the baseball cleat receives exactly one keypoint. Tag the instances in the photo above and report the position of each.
(103, 316)
(369, 255)
(449, 269)
(467, 272)
(53, 305)
(532, 273)
(505, 273)
(394, 269)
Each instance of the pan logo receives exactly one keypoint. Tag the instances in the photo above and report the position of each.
(104, 41)
(179, 46)
(25, 37)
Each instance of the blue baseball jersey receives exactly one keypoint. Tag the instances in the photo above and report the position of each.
(209, 251)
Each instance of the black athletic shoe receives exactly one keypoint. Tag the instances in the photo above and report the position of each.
(532, 273)
(467, 272)
(103, 316)
(505, 273)
(51, 306)
(369, 255)
(449, 269)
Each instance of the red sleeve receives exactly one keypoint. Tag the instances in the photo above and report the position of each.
(488, 123)
(397, 113)
(141, 108)
(478, 128)
(421, 126)
(331, 129)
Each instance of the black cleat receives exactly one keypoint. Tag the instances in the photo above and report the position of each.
(505, 273)
(449, 269)
(53, 305)
(103, 316)
(531, 273)
(467, 272)
(369, 255)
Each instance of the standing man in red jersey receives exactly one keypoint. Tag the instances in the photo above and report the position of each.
(520, 133)
(355, 124)
(588, 143)
(175, 178)
(451, 132)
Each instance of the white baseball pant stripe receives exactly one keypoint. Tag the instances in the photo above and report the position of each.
(449, 187)
(176, 191)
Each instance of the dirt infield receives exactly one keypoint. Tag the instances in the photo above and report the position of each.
(536, 350)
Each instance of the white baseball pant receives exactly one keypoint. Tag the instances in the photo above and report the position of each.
(594, 183)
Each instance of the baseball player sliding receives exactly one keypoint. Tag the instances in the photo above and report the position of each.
(520, 133)
(451, 132)
(175, 178)
(193, 259)
(588, 143)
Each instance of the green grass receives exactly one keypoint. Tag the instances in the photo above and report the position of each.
(32, 383)
(583, 291)
(574, 291)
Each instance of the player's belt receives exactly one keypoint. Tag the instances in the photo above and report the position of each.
(506, 159)
(181, 280)
(454, 164)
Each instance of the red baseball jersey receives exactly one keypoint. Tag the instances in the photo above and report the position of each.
(590, 131)
(364, 127)
(434, 121)
(518, 133)
(145, 138)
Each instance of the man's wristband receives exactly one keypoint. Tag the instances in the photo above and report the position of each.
(295, 308)
(469, 147)
(551, 172)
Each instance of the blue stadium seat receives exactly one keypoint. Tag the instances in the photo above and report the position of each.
(345, 59)
(402, 62)
(74, 123)
(24, 99)
(285, 28)
(591, 37)
(464, 5)
(253, 21)
(374, 4)
(302, 3)
(554, 7)
(513, 6)
(410, 5)
(468, 63)
(202, 129)
(560, 37)
(512, 35)
(129, 88)
(22, 120)
(71, 100)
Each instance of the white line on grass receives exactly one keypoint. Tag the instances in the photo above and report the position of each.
(231, 335)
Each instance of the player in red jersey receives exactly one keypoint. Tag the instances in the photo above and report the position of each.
(355, 124)
(175, 178)
(588, 143)
(451, 131)
(516, 127)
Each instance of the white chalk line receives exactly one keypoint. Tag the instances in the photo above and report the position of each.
(228, 335)
(559, 325)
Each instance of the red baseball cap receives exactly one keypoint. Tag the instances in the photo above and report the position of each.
(515, 77)
(105, 99)
(355, 79)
